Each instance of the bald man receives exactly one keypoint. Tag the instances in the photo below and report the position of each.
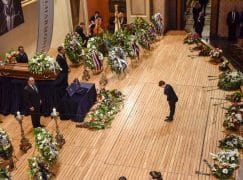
(33, 102)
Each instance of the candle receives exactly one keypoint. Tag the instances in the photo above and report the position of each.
(18, 113)
(54, 111)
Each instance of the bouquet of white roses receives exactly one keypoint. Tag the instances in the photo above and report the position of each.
(39, 169)
(10, 57)
(6, 148)
(46, 145)
(73, 45)
(42, 63)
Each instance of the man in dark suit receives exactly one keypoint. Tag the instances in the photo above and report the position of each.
(80, 30)
(33, 102)
(204, 4)
(233, 19)
(22, 56)
(199, 24)
(171, 98)
(62, 61)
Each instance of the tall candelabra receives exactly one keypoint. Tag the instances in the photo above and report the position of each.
(59, 137)
(25, 145)
(117, 21)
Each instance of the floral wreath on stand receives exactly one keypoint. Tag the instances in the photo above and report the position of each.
(73, 45)
(93, 60)
(6, 148)
(117, 60)
(42, 63)
(158, 23)
(10, 57)
(99, 44)
(143, 39)
(47, 145)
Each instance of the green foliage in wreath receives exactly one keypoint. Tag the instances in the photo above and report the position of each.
(73, 45)
(4, 174)
(6, 148)
(46, 144)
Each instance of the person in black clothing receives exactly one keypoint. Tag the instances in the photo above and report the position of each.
(62, 61)
(80, 30)
(171, 98)
(22, 56)
(94, 17)
(200, 24)
(196, 11)
(233, 19)
(203, 5)
(241, 25)
(155, 175)
(33, 102)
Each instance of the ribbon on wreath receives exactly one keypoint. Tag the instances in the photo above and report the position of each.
(136, 49)
(159, 22)
(122, 63)
(96, 61)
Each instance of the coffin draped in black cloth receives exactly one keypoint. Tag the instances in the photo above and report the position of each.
(11, 94)
(75, 107)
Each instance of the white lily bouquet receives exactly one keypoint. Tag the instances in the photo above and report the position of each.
(42, 63)
(117, 60)
(46, 145)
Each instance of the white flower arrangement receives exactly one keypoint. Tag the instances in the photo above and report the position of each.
(42, 63)
(230, 80)
(230, 157)
(117, 60)
(216, 53)
(10, 57)
(231, 142)
(46, 145)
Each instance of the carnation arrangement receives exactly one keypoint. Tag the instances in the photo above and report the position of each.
(158, 23)
(216, 53)
(230, 80)
(109, 103)
(46, 144)
(39, 169)
(192, 38)
(6, 148)
(73, 45)
(117, 60)
(42, 63)
(10, 57)
(231, 142)
(233, 118)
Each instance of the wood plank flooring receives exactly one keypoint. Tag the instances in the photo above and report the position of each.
(139, 139)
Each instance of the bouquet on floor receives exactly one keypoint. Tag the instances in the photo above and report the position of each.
(99, 44)
(73, 45)
(46, 144)
(233, 118)
(224, 66)
(192, 38)
(93, 59)
(230, 80)
(117, 60)
(225, 162)
(158, 23)
(4, 174)
(6, 148)
(42, 63)
(39, 169)
(231, 142)
(205, 50)
(10, 57)
(216, 53)
(109, 103)
(235, 97)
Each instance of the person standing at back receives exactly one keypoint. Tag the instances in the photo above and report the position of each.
(171, 98)
(22, 56)
(33, 102)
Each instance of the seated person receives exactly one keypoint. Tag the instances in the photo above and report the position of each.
(22, 56)
(98, 29)
(80, 30)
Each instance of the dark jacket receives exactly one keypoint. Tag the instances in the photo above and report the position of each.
(79, 30)
(62, 61)
(170, 93)
(230, 20)
(31, 98)
(22, 58)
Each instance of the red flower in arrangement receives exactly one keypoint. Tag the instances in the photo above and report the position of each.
(92, 120)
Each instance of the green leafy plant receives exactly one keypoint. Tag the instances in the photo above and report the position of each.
(230, 80)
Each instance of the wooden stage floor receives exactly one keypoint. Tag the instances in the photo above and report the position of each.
(139, 139)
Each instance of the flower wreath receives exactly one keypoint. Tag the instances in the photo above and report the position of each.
(117, 60)
(6, 148)
(93, 59)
